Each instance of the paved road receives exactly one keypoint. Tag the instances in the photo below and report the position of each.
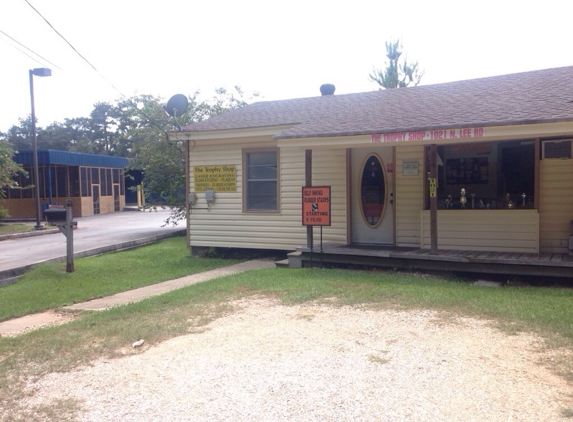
(94, 235)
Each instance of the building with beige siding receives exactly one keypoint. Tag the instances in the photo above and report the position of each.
(481, 164)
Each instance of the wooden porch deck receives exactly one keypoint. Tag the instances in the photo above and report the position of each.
(509, 263)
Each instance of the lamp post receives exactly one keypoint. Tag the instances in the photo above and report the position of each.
(41, 71)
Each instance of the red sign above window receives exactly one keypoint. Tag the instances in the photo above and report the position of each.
(428, 135)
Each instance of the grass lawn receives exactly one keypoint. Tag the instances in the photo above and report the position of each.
(48, 286)
(12, 228)
(108, 334)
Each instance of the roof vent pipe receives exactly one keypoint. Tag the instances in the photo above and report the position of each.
(327, 89)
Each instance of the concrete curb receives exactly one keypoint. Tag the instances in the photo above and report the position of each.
(12, 274)
(28, 234)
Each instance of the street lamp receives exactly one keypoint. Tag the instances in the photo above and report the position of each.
(41, 71)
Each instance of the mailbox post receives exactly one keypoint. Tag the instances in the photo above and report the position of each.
(63, 220)
(69, 237)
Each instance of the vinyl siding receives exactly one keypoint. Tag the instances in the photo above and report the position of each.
(555, 205)
(409, 197)
(226, 225)
(492, 230)
(329, 169)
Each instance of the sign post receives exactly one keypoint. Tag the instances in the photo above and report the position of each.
(433, 200)
(69, 237)
(63, 218)
(316, 209)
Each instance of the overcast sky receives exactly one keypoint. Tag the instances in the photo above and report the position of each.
(282, 49)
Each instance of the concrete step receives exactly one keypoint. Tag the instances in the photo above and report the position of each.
(293, 261)
(282, 264)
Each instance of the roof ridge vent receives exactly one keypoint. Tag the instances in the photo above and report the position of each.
(327, 89)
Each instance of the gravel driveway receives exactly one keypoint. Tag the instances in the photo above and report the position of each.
(269, 362)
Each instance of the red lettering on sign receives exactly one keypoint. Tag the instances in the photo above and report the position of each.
(421, 135)
(465, 133)
(416, 136)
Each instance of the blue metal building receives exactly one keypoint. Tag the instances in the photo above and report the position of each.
(94, 183)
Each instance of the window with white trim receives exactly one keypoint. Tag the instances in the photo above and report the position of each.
(261, 179)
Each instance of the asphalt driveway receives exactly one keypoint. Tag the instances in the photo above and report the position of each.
(94, 235)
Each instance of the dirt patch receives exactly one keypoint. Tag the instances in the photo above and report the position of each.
(315, 362)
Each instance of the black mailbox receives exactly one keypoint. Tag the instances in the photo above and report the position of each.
(55, 215)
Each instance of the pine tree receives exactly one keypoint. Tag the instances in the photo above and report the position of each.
(396, 74)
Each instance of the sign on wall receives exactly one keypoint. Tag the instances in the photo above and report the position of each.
(433, 186)
(220, 178)
(316, 206)
(428, 135)
(410, 167)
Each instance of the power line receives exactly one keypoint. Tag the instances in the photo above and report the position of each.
(26, 54)
(30, 50)
(73, 48)
(97, 71)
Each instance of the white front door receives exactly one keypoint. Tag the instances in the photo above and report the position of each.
(372, 196)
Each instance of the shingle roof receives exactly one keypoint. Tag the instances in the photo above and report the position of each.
(540, 96)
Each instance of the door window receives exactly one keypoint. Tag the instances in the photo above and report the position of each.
(372, 190)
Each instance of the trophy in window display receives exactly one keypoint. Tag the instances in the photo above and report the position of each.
(463, 198)
(507, 202)
(448, 201)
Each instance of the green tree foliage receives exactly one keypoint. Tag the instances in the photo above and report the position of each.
(18, 136)
(398, 73)
(136, 128)
(72, 135)
(163, 160)
(8, 168)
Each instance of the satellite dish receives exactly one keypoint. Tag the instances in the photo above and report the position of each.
(176, 106)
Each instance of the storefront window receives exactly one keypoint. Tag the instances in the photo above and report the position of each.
(493, 175)
(74, 173)
(60, 181)
(86, 176)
